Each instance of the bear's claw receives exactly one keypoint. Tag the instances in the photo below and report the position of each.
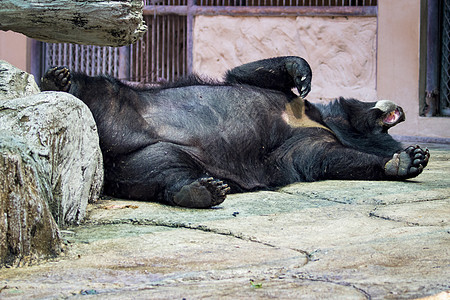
(202, 193)
(56, 79)
(217, 189)
(301, 74)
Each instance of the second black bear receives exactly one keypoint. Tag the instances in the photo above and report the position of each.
(190, 142)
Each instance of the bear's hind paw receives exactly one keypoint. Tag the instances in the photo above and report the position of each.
(202, 193)
(408, 163)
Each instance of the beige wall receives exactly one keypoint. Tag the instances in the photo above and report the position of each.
(398, 66)
(13, 49)
(341, 51)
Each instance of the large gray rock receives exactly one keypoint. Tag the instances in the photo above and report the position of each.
(60, 129)
(27, 228)
(50, 166)
(15, 83)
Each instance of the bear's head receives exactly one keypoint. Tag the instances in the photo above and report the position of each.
(363, 125)
(372, 117)
(390, 114)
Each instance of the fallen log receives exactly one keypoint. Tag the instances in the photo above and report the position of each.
(92, 22)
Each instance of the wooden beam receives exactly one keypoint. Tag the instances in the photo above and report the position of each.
(92, 22)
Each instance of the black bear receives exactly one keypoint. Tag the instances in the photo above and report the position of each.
(189, 143)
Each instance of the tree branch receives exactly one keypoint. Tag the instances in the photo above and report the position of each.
(93, 22)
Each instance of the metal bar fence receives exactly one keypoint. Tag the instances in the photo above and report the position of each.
(309, 3)
(91, 60)
(165, 51)
(161, 54)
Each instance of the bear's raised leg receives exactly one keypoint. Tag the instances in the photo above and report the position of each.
(279, 73)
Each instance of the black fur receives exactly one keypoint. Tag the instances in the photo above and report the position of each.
(189, 142)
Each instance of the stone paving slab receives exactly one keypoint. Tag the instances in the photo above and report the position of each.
(322, 240)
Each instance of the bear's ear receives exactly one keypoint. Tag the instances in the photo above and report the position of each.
(362, 116)
(391, 114)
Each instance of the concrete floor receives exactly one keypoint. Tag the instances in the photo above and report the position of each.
(322, 240)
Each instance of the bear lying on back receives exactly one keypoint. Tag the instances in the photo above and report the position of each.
(192, 142)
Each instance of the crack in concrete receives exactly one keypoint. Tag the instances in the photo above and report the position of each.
(369, 201)
(200, 227)
(346, 200)
(309, 277)
(415, 201)
(372, 214)
(374, 202)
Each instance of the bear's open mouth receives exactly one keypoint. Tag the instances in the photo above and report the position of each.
(393, 117)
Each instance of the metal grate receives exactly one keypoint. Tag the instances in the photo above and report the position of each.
(266, 2)
(287, 2)
(165, 2)
(91, 60)
(161, 55)
(445, 61)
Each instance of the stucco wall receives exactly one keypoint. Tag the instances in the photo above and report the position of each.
(341, 51)
(13, 49)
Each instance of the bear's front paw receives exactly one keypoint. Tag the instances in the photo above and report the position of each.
(56, 79)
(408, 163)
(301, 73)
(202, 193)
